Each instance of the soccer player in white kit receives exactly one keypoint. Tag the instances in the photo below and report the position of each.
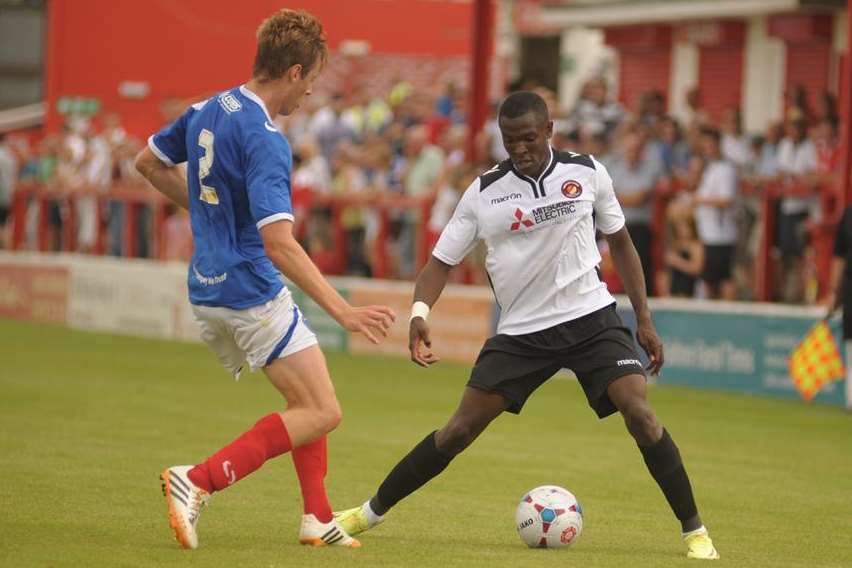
(237, 190)
(537, 213)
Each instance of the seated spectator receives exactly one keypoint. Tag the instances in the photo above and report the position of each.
(714, 206)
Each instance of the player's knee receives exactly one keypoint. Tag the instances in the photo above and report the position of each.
(642, 423)
(455, 437)
(330, 416)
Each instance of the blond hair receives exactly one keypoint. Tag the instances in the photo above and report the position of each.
(287, 38)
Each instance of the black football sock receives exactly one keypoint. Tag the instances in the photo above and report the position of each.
(664, 463)
(414, 470)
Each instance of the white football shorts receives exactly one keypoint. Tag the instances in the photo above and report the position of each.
(257, 335)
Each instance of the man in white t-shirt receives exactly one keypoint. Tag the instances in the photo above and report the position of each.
(715, 217)
(537, 213)
(797, 162)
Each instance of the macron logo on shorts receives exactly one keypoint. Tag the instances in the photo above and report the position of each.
(625, 362)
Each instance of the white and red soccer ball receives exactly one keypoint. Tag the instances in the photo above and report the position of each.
(549, 517)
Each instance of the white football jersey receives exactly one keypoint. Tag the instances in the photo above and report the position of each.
(540, 234)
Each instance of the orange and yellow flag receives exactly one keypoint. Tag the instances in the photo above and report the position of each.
(816, 361)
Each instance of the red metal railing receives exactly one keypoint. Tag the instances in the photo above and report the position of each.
(821, 233)
(135, 198)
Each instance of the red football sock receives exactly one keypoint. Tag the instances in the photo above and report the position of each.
(266, 439)
(311, 461)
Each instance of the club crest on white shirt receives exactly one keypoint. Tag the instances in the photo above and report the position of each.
(572, 189)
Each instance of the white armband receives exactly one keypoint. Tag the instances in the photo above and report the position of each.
(419, 310)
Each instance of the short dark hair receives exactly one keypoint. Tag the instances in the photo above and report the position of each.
(521, 102)
(712, 133)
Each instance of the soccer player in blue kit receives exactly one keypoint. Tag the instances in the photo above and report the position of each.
(237, 189)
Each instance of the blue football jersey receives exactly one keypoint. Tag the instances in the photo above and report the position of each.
(238, 173)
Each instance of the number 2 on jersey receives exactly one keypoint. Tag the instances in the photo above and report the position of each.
(205, 164)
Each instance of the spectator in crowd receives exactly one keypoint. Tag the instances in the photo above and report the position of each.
(595, 112)
(177, 234)
(596, 145)
(695, 116)
(827, 110)
(349, 182)
(714, 206)
(674, 149)
(635, 175)
(312, 172)
(423, 165)
(367, 144)
(766, 163)
(331, 130)
(452, 143)
(683, 256)
(97, 174)
(457, 181)
(798, 105)
(652, 108)
(736, 145)
(8, 180)
(492, 139)
(823, 134)
(445, 105)
(797, 162)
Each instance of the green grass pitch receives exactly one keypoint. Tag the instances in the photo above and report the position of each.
(87, 421)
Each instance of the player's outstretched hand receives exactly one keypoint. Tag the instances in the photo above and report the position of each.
(419, 343)
(373, 321)
(647, 337)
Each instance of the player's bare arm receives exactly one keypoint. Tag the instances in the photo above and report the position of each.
(290, 258)
(168, 180)
(430, 283)
(626, 261)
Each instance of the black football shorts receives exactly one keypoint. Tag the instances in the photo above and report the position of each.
(597, 347)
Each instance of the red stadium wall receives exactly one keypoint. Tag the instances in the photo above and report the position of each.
(644, 53)
(194, 47)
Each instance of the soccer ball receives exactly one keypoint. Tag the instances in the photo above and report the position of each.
(549, 517)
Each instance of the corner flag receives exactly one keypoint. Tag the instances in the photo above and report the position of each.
(815, 361)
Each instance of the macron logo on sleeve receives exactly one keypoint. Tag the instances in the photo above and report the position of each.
(229, 103)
